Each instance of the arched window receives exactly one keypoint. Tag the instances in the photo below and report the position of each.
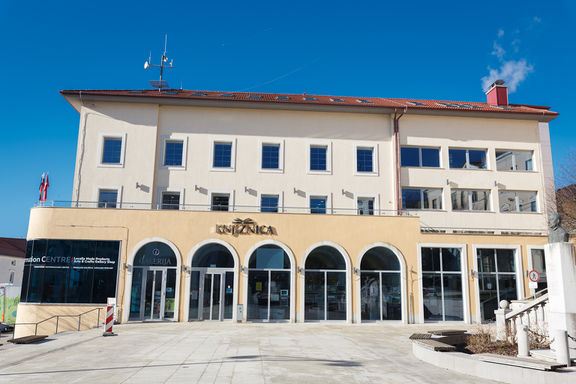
(380, 287)
(269, 284)
(213, 256)
(325, 285)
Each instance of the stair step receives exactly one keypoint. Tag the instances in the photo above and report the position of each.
(523, 362)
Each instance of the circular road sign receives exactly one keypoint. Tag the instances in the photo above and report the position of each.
(534, 276)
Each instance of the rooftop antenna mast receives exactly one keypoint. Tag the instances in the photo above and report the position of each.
(160, 84)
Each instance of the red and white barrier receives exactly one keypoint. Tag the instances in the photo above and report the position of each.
(109, 321)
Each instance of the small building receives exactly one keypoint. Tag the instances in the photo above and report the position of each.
(12, 254)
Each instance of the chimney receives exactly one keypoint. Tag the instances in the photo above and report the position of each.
(497, 94)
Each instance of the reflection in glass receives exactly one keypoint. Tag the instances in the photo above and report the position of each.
(194, 295)
(279, 295)
(258, 295)
(453, 304)
(336, 295)
(228, 295)
(370, 295)
(314, 296)
(136, 294)
(170, 298)
(391, 296)
(432, 291)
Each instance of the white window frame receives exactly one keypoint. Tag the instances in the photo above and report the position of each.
(328, 145)
(172, 138)
(228, 192)
(465, 275)
(374, 148)
(271, 193)
(161, 191)
(223, 140)
(328, 197)
(443, 208)
(280, 144)
(529, 249)
(517, 202)
(467, 149)
(374, 196)
(519, 272)
(118, 189)
(101, 139)
(514, 165)
(420, 147)
(490, 202)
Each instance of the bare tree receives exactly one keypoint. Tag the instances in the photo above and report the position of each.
(566, 194)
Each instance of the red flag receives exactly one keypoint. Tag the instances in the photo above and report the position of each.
(42, 181)
(46, 185)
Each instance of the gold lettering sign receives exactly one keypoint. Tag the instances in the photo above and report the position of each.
(245, 227)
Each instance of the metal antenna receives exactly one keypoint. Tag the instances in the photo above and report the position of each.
(161, 83)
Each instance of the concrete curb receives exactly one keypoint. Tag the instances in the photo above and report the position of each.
(467, 364)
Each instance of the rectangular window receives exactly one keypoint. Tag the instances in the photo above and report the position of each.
(496, 279)
(420, 157)
(365, 206)
(364, 159)
(220, 202)
(170, 200)
(517, 201)
(318, 204)
(269, 203)
(467, 158)
(222, 155)
(173, 150)
(270, 156)
(470, 200)
(112, 150)
(514, 160)
(421, 198)
(318, 158)
(107, 198)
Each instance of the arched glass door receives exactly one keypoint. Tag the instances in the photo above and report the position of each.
(325, 285)
(153, 295)
(212, 284)
(269, 284)
(380, 288)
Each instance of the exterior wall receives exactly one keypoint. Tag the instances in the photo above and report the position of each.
(297, 232)
(475, 133)
(10, 264)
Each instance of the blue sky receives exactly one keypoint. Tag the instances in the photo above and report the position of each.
(386, 48)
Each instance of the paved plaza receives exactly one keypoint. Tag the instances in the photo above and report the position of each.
(226, 353)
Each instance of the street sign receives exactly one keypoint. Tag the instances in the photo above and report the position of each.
(534, 276)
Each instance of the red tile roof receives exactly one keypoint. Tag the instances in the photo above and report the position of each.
(12, 247)
(304, 99)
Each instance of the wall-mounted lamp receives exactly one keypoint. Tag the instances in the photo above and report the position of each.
(447, 181)
(242, 268)
(124, 265)
(495, 183)
(138, 185)
(355, 271)
(185, 269)
(300, 269)
(343, 191)
(246, 189)
(196, 187)
(473, 273)
(295, 190)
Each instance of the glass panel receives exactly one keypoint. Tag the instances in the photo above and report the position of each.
(486, 260)
(477, 159)
(379, 259)
(504, 161)
(220, 202)
(318, 205)
(432, 296)
(173, 154)
(457, 158)
(170, 295)
(80, 285)
(216, 287)
(451, 259)
(488, 295)
(257, 295)
(107, 198)
(279, 295)
(505, 258)
(314, 296)
(411, 198)
(136, 294)
(523, 160)
(480, 200)
(206, 295)
(112, 150)
(222, 155)
(148, 294)
(410, 156)
(430, 259)
(213, 256)
(269, 257)
(507, 286)
(228, 295)
(370, 295)
(453, 304)
(431, 157)
(432, 198)
(170, 200)
(336, 295)
(318, 158)
(155, 254)
(269, 203)
(194, 295)
(365, 206)
(105, 268)
(539, 264)
(270, 156)
(364, 160)
(54, 285)
(526, 201)
(460, 200)
(157, 308)
(391, 296)
(325, 257)
(507, 201)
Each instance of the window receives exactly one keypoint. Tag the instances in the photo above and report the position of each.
(365, 206)
(173, 151)
(467, 158)
(318, 204)
(11, 278)
(319, 158)
(112, 150)
(470, 200)
(517, 201)
(514, 160)
(223, 154)
(220, 202)
(496, 279)
(364, 159)
(272, 156)
(107, 198)
(269, 203)
(420, 157)
(170, 200)
(421, 198)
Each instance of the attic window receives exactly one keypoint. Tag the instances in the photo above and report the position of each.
(338, 100)
(255, 96)
(227, 95)
(308, 98)
(416, 103)
(198, 94)
(364, 101)
(282, 98)
(138, 91)
(170, 93)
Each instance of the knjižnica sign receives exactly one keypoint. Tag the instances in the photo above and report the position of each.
(245, 227)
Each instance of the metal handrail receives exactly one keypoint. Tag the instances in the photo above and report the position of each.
(57, 317)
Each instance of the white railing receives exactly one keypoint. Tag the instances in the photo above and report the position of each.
(532, 312)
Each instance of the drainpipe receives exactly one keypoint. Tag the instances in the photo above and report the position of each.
(397, 117)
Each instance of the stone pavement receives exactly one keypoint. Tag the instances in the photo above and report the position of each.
(227, 353)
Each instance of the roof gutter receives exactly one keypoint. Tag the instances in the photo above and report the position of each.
(396, 121)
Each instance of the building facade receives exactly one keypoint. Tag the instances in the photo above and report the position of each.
(191, 205)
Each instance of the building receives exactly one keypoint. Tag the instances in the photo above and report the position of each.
(12, 253)
(197, 205)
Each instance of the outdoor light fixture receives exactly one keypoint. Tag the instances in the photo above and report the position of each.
(196, 187)
(300, 269)
(355, 271)
(473, 273)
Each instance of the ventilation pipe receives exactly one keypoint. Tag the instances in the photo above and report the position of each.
(397, 117)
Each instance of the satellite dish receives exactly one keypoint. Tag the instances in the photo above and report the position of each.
(146, 65)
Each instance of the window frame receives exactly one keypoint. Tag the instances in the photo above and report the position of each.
(373, 196)
(467, 167)
(118, 189)
(470, 202)
(280, 144)
(162, 190)
(280, 196)
(514, 164)
(328, 197)
(173, 138)
(374, 147)
(442, 208)
(230, 194)
(420, 157)
(328, 145)
(102, 137)
(223, 140)
(517, 202)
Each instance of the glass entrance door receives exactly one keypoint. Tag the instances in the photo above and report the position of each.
(212, 295)
(325, 295)
(154, 287)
